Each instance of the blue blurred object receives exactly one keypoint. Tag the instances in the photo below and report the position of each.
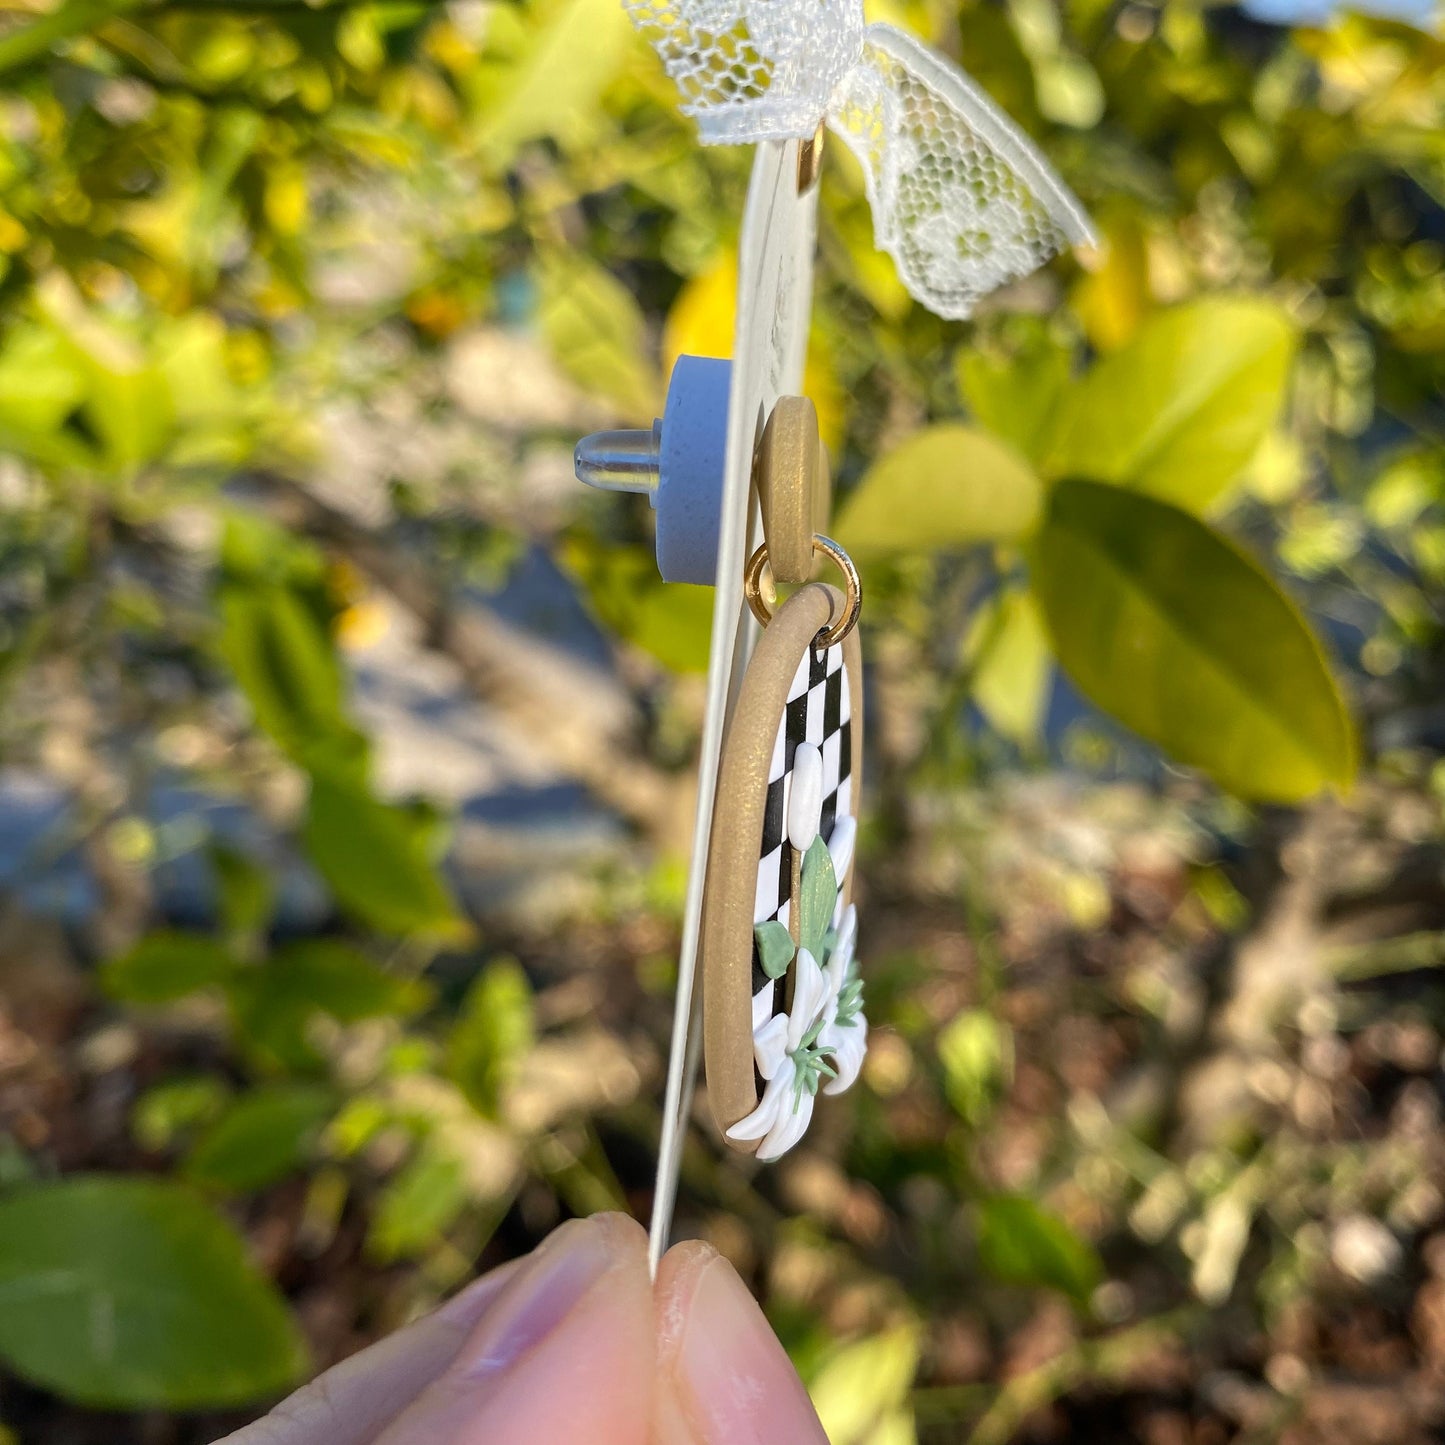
(1316, 12)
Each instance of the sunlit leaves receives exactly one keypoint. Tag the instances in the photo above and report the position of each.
(40, 380)
(1180, 409)
(493, 1033)
(861, 1390)
(1021, 1243)
(1007, 649)
(165, 966)
(374, 856)
(946, 486)
(1016, 398)
(82, 391)
(976, 1052)
(670, 621)
(559, 59)
(277, 640)
(262, 1137)
(597, 333)
(421, 1200)
(282, 655)
(131, 1294)
(278, 1003)
(1113, 296)
(1183, 638)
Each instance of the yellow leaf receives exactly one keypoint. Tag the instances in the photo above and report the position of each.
(946, 486)
(861, 1392)
(1010, 651)
(1113, 296)
(701, 323)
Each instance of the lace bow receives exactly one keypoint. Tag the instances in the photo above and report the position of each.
(961, 199)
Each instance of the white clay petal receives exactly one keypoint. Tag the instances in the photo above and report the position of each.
(762, 1120)
(840, 845)
(770, 1045)
(840, 959)
(788, 1130)
(805, 797)
(810, 993)
(764, 1003)
(848, 1056)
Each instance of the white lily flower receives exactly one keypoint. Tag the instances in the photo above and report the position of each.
(783, 1113)
(797, 1051)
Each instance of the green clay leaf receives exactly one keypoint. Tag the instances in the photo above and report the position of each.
(775, 947)
(818, 896)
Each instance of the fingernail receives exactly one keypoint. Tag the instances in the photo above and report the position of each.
(733, 1380)
(468, 1305)
(538, 1297)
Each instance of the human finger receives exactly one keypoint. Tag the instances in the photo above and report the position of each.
(566, 1353)
(722, 1376)
(351, 1403)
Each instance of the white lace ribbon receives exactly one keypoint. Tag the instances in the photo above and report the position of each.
(962, 200)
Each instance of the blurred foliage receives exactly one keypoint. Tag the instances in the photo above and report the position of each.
(256, 258)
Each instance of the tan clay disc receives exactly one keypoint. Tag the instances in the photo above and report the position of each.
(794, 487)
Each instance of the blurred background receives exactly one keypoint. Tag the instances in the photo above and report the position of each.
(347, 745)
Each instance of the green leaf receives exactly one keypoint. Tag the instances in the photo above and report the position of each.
(947, 486)
(1178, 634)
(41, 379)
(818, 896)
(375, 859)
(861, 1388)
(277, 1003)
(168, 1110)
(283, 657)
(597, 333)
(1009, 652)
(127, 402)
(1181, 409)
(340, 980)
(554, 86)
(261, 1138)
(190, 354)
(493, 1033)
(246, 896)
(1020, 1243)
(165, 966)
(976, 1051)
(132, 413)
(1017, 399)
(671, 621)
(131, 1294)
(418, 1205)
(775, 947)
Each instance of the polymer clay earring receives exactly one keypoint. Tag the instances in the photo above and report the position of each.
(782, 998)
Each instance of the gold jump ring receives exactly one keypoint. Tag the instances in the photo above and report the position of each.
(762, 593)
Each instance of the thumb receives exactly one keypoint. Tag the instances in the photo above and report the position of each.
(563, 1354)
(723, 1378)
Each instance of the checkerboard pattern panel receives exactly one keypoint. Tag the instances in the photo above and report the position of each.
(818, 711)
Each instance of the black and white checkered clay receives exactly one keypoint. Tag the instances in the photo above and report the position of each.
(818, 711)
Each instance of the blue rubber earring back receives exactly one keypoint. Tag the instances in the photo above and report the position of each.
(678, 464)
